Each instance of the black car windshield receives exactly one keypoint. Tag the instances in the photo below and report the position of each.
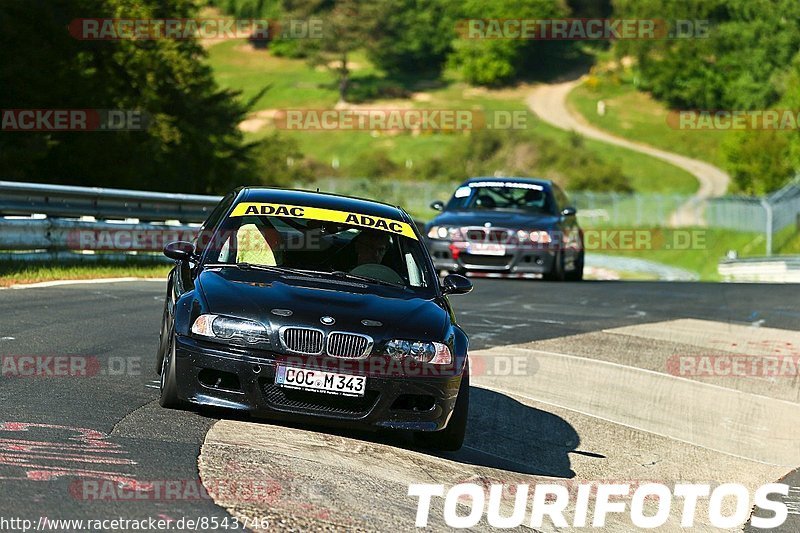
(333, 249)
(516, 196)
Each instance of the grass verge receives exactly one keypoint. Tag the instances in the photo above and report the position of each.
(710, 247)
(636, 116)
(20, 272)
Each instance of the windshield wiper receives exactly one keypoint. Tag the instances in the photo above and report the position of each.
(347, 275)
(254, 266)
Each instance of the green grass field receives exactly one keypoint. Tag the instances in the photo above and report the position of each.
(636, 116)
(712, 245)
(293, 84)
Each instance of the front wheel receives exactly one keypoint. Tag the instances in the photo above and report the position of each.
(163, 339)
(169, 386)
(557, 272)
(577, 273)
(451, 438)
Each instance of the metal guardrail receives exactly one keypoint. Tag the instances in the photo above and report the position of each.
(56, 234)
(102, 203)
(760, 269)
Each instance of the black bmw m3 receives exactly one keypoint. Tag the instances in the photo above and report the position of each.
(305, 306)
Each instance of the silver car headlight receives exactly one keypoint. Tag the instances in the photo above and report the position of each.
(445, 233)
(229, 328)
(434, 353)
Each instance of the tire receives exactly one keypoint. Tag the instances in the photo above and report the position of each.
(168, 386)
(577, 274)
(451, 438)
(163, 337)
(557, 273)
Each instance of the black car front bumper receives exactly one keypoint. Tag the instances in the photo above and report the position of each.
(517, 259)
(233, 378)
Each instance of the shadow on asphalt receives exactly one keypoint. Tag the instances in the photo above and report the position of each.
(505, 434)
(502, 433)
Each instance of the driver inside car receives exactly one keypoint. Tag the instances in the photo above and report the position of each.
(370, 247)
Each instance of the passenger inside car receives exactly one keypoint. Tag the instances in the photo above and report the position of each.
(253, 245)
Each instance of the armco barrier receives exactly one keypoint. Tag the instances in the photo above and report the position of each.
(67, 201)
(761, 269)
(55, 234)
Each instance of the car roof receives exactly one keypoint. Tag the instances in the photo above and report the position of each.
(537, 181)
(322, 200)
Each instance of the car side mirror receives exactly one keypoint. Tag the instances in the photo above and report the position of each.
(456, 284)
(569, 211)
(179, 250)
(437, 205)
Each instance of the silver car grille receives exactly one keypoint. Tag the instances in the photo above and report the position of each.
(348, 345)
(307, 341)
(312, 341)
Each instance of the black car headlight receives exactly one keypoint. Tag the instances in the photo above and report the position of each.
(434, 353)
(229, 328)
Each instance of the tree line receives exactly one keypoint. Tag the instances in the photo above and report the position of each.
(748, 60)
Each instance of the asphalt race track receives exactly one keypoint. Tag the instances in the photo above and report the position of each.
(571, 382)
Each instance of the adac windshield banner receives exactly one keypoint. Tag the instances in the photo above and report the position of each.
(326, 215)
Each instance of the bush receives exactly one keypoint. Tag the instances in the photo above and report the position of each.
(759, 161)
(494, 62)
(409, 37)
(596, 176)
(377, 165)
(277, 160)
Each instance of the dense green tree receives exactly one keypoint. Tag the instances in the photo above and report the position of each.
(758, 161)
(489, 61)
(192, 143)
(590, 8)
(410, 37)
(736, 66)
(246, 9)
(344, 31)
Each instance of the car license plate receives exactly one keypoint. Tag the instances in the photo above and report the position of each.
(319, 381)
(487, 249)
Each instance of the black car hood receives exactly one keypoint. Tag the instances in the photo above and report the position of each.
(501, 219)
(254, 294)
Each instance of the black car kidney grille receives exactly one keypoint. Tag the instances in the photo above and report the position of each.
(348, 345)
(303, 340)
(318, 402)
(494, 236)
(476, 235)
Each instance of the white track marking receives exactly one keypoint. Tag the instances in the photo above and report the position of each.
(60, 282)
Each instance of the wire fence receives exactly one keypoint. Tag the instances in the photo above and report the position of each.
(767, 215)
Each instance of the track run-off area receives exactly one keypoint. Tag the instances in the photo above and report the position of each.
(572, 383)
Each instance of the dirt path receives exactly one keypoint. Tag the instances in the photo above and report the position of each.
(549, 102)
